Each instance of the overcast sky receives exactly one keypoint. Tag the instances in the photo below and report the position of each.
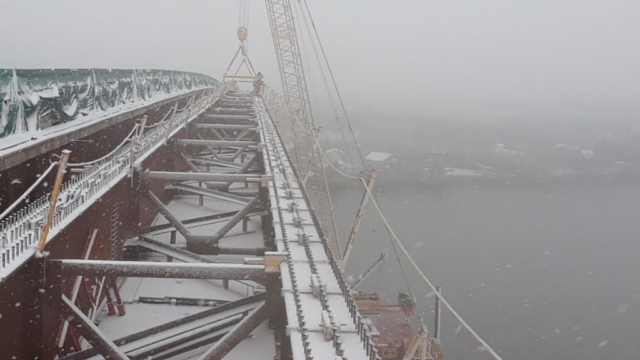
(460, 58)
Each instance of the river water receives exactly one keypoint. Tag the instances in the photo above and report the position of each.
(540, 272)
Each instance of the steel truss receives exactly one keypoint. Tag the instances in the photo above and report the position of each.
(224, 163)
(306, 157)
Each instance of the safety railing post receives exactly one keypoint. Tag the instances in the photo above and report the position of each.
(54, 198)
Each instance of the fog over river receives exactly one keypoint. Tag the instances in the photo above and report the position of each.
(541, 272)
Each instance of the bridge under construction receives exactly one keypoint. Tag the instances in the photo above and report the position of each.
(154, 214)
(180, 242)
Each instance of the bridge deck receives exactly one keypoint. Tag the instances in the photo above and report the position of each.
(240, 208)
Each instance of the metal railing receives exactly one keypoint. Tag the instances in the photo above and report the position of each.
(21, 230)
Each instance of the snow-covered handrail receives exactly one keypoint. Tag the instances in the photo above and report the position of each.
(29, 190)
(163, 119)
(135, 127)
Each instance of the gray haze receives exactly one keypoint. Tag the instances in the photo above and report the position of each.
(469, 59)
(542, 97)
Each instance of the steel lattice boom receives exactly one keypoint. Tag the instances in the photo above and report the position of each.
(306, 158)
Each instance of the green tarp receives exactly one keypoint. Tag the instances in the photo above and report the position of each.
(41, 98)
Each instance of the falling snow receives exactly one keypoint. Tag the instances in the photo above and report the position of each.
(623, 308)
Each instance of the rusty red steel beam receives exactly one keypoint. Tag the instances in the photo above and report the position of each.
(148, 269)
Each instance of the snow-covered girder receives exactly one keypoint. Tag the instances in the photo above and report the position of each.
(88, 329)
(186, 176)
(227, 117)
(196, 142)
(110, 268)
(241, 200)
(199, 329)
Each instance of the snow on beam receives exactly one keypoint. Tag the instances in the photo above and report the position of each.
(225, 126)
(206, 242)
(241, 251)
(189, 163)
(206, 247)
(197, 220)
(243, 134)
(237, 334)
(169, 216)
(197, 142)
(246, 103)
(74, 267)
(187, 176)
(236, 218)
(172, 251)
(248, 165)
(233, 117)
(210, 193)
(89, 330)
(231, 110)
(213, 162)
(229, 308)
(238, 152)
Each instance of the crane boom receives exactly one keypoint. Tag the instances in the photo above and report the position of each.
(306, 157)
(294, 85)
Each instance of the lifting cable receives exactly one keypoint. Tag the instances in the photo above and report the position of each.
(395, 251)
(426, 280)
(335, 85)
(379, 210)
(303, 15)
(393, 235)
(243, 21)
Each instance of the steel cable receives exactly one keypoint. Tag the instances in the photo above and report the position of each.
(424, 277)
(109, 154)
(335, 85)
(29, 190)
(160, 122)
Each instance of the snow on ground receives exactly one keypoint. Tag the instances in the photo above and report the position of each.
(261, 343)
